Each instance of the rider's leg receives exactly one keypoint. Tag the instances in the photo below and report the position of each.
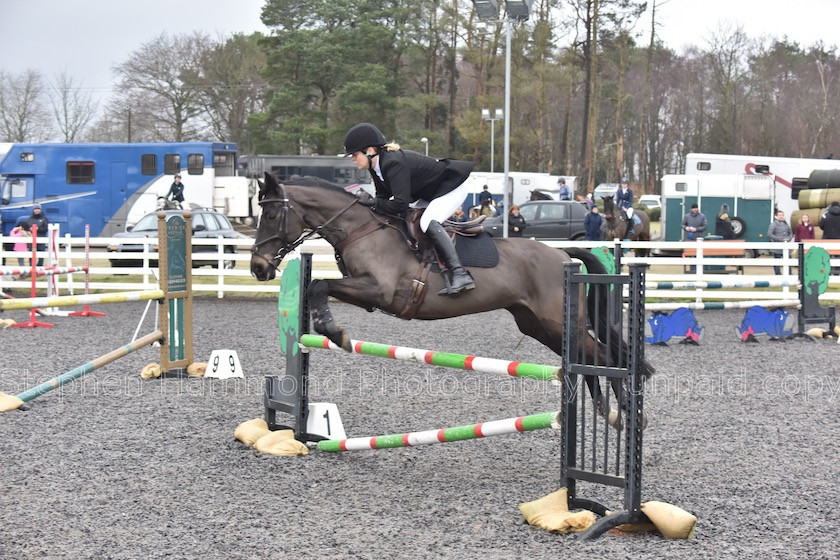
(629, 221)
(460, 278)
(439, 210)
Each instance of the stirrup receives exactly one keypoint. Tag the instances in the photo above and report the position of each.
(448, 279)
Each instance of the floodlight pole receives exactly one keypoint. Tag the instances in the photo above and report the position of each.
(506, 203)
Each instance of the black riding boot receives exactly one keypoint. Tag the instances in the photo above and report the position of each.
(459, 279)
(629, 221)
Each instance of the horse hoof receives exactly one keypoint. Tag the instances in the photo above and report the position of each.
(615, 419)
(345, 343)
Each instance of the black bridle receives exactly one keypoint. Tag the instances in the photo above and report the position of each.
(283, 229)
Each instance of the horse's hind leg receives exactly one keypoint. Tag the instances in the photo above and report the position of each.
(322, 319)
(613, 415)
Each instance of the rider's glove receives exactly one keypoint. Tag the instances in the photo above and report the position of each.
(367, 200)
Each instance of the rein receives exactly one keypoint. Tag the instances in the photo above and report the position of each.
(283, 234)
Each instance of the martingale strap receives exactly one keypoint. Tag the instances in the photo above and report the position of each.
(416, 292)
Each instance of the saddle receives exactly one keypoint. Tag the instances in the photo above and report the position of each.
(474, 248)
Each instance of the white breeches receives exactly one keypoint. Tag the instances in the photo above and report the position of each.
(443, 207)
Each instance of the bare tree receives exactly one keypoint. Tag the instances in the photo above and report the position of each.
(728, 52)
(23, 111)
(73, 108)
(167, 73)
(232, 87)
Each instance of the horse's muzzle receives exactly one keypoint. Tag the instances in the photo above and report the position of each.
(262, 270)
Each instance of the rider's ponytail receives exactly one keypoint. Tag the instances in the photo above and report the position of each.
(391, 147)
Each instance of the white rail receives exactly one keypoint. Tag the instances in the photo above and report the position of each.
(107, 275)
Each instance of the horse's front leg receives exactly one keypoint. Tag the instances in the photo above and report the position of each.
(356, 291)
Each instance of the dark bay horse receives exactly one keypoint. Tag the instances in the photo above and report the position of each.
(379, 269)
(539, 195)
(617, 227)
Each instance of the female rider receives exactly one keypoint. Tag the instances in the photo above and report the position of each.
(405, 178)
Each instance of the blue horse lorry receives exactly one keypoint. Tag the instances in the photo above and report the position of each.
(111, 186)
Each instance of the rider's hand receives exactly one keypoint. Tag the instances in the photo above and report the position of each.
(367, 200)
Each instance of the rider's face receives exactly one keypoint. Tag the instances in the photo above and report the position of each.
(360, 159)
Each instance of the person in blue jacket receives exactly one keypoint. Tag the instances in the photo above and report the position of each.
(592, 225)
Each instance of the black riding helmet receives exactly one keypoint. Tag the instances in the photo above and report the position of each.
(361, 136)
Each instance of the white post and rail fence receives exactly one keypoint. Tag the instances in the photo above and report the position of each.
(223, 268)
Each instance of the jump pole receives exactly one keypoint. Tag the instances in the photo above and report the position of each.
(64, 301)
(7, 402)
(86, 311)
(445, 435)
(670, 306)
(443, 359)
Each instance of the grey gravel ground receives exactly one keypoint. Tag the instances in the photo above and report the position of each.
(744, 436)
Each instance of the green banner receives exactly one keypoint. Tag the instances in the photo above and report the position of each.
(176, 253)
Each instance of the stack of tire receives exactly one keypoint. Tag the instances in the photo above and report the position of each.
(823, 189)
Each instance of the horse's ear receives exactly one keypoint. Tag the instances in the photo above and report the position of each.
(269, 184)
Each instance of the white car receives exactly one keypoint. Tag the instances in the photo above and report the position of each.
(651, 200)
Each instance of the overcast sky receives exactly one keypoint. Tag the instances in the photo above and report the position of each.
(88, 37)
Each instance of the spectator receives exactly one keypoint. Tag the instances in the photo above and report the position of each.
(565, 191)
(516, 223)
(830, 222)
(592, 225)
(486, 209)
(21, 247)
(485, 195)
(804, 229)
(590, 204)
(780, 232)
(694, 223)
(723, 224)
(500, 208)
(40, 220)
(176, 191)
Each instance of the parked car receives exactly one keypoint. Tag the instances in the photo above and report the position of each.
(651, 201)
(206, 224)
(546, 219)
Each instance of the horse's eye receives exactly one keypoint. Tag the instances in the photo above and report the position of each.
(272, 216)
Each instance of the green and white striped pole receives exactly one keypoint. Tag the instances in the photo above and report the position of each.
(443, 359)
(445, 435)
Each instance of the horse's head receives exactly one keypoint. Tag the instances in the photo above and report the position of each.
(279, 229)
(609, 204)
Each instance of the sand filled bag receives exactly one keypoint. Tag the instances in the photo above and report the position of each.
(552, 514)
(281, 442)
(252, 430)
(197, 369)
(9, 402)
(673, 522)
(150, 371)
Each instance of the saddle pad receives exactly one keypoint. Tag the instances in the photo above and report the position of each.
(478, 251)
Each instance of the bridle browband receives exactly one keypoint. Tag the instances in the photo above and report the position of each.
(283, 230)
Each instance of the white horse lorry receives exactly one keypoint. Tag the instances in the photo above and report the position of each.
(752, 186)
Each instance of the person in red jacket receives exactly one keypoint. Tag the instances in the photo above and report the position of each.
(804, 229)
(404, 178)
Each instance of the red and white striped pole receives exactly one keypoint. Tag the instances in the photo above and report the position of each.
(86, 312)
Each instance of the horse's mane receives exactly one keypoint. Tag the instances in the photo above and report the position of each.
(310, 181)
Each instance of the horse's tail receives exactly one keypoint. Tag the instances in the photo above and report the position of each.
(596, 304)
